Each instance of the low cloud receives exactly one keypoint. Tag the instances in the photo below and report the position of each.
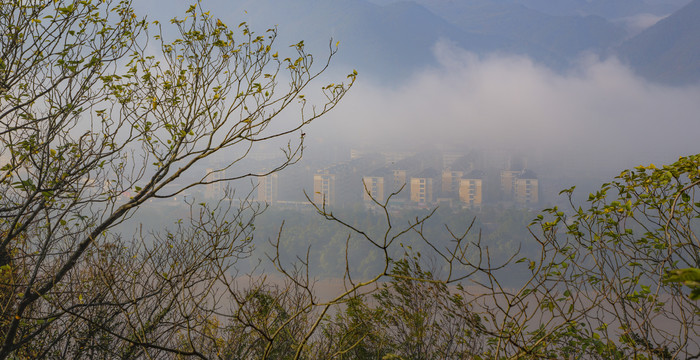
(598, 114)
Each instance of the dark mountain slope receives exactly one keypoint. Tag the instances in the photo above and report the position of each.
(668, 52)
(562, 36)
(609, 9)
(385, 41)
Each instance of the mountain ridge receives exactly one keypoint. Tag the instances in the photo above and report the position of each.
(669, 51)
(389, 40)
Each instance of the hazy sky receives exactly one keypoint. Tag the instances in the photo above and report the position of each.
(598, 110)
(596, 114)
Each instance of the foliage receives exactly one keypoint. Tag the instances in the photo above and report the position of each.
(689, 277)
(101, 114)
(423, 319)
(604, 284)
(603, 281)
(412, 316)
(354, 333)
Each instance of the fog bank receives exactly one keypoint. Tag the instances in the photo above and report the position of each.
(597, 114)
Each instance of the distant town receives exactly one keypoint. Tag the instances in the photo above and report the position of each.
(413, 180)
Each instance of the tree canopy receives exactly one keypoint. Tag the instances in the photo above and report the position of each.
(102, 113)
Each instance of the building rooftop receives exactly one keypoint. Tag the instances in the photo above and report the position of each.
(527, 174)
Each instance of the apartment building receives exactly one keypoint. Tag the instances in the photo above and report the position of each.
(451, 183)
(324, 189)
(214, 189)
(374, 187)
(526, 189)
(471, 192)
(422, 190)
(268, 188)
(508, 183)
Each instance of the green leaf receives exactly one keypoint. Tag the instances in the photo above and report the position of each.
(695, 294)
